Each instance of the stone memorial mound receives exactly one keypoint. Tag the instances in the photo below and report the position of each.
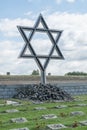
(11, 111)
(49, 116)
(55, 127)
(83, 123)
(2, 105)
(19, 120)
(42, 92)
(75, 113)
(9, 102)
(81, 105)
(21, 129)
(40, 108)
(61, 106)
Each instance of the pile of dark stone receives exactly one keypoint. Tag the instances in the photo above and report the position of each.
(42, 92)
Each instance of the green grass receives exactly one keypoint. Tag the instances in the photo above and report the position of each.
(35, 122)
(36, 77)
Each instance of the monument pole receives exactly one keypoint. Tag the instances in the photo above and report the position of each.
(28, 45)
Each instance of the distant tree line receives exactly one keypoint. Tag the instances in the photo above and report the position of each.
(35, 72)
(76, 73)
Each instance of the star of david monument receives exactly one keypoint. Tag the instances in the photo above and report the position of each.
(28, 45)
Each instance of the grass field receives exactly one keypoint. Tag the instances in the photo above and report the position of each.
(35, 122)
(33, 77)
(29, 79)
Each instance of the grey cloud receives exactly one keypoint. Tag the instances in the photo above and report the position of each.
(73, 44)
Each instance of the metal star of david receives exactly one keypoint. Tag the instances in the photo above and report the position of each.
(28, 45)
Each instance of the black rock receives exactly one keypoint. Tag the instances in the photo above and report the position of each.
(42, 92)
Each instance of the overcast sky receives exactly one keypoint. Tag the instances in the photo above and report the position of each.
(67, 15)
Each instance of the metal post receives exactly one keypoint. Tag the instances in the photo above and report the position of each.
(33, 54)
(43, 77)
